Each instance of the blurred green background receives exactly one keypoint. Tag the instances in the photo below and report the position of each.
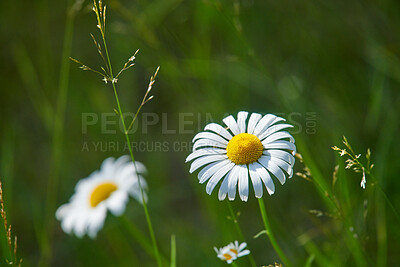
(331, 68)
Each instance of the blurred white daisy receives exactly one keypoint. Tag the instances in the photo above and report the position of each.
(106, 189)
(232, 251)
(258, 149)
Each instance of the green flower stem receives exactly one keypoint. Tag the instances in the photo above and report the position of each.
(173, 251)
(270, 234)
(101, 25)
(239, 230)
(234, 264)
(150, 226)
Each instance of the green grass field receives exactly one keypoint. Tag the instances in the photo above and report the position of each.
(331, 68)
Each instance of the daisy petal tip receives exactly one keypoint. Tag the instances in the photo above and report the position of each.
(244, 198)
(202, 181)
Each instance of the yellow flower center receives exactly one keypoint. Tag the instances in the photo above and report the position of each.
(227, 256)
(234, 251)
(101, 192)
(244, 148)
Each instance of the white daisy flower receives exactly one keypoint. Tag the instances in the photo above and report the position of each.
(258, 149)
(232, 251)
(106, 189)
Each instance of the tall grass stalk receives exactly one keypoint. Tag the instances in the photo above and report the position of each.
(240, 233)
(334, 205)
(101, 17)
(354, 163)
(270, 234)
(149, 223)
(173, 251)
(9, 251)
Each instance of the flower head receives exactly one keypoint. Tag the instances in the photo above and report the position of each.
(106, 189)
(254, 147)
(232, 251)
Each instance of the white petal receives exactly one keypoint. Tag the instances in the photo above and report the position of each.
(277, 136)
(232, 125)
(284, 166)
(243, 253)
(125, 174)
(243, 183)
(263, 124)
(281, 145)
(219, 130)
(107, 164)
(211, 171)
(120, 162)
(116, 202)
(96, 223)
(265, 177)
(241, 121)
(197, 163)
(210, 136)
(277, 119)
(140, 168)
(255, 179)
(136, 192)
(207, 143)
(217, 177)
(281, 154)
(223, 190)
(242, 246)
(81, 225)
(273, 168)
(62, 211)
(68, 219)
(274, 129)
(206, 168)
(204, 152)
(233, 180)
(126, 170)
(254, 119)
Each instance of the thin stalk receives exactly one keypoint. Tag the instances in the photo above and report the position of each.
(270, 234)
(150, 226)
(239, 230)
(234, 264)
(173, 251)
(101, 17)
